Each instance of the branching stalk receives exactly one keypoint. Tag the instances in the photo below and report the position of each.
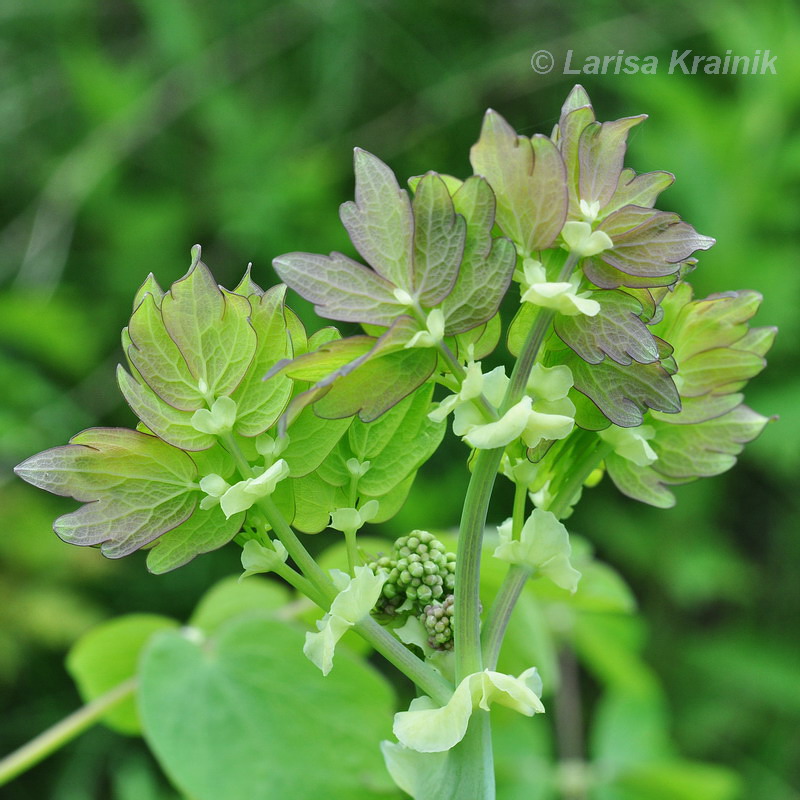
(63, 732)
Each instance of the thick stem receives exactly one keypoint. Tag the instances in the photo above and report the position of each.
(468, 655)
(428, 679)
(473, 759)
(63, 732)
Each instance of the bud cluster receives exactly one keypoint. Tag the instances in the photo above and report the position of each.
(420, 581)
(438, 621)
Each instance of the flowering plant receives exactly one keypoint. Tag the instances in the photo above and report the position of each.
(253, 432)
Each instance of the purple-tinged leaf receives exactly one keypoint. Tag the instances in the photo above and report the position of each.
(653, 248)
(380, 221)
(438, 241)
(637, 190)
(487, 265)
(601, 151)
(528, 179)
(607, 277)
(623, 392)
(135, 487)
(339, 288)
(616, 331)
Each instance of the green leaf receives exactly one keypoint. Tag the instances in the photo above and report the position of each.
(616, 331)
(314, 501)
(171, 424)
(380, 221)
(392, 501)
(686, 452)
(107, 656)
(694, 326)
(438, 240)
(378, 384)
(624, 392)
(260, 402)
(487, 264)
(245, 714)
(520, 326)
(639, 483)
(311, 438)
(211, 329)
(484, 339)
(413, 442)
(203, 532)
(717, 369)
(528, 179)
(708, 448)
(156, 357)
(135, 486)
(231, 598)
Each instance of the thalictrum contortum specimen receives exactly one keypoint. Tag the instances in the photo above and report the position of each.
(250, 429)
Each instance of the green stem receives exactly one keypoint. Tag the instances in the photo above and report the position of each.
(481, 401)
(518, 574)
(468, 656)
(500, 613)
(298, 553)
(63, 732)
(352, 551)
(497, 620)
(430, 681)
(303, 585)
(473, 760)
(518, 514)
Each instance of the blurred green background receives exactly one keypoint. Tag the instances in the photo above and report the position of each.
(132, 130)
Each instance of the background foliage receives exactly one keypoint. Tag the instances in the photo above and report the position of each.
(134, 129)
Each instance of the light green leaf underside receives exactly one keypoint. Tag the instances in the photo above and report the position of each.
(245, 714)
